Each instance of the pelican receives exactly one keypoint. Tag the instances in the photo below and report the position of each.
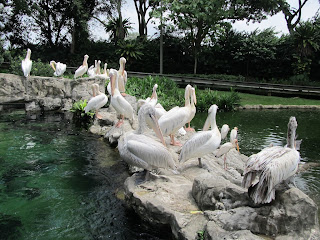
(271, 166)
(143, 151)
(98, 71)
(92, 69)
(98, 101)
(176, 118)
(119, 103)
(203, 142)
(234, 134)
(151, 100)
(193, 109)
(225, 148)
(59, 68)
(224, 131)
(122, 74)
(26, 64)
(83, 68)
(105, 75)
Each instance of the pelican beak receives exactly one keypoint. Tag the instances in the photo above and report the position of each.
(52, 65)
(195, 98)
(112, 78)
(124, 64)
(237, 146)
(157, 130)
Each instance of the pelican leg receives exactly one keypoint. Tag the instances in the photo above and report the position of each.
(173, 142)
(98, 115)
(123, 94)
(120, 122)
(200, 163)
(189, 129)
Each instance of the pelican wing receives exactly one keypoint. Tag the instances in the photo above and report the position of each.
(80, 71)
(60, 69)
(194, 146)
(225, 148)
(145, 149)
(96, 102)
(122, 106)
(173, 120)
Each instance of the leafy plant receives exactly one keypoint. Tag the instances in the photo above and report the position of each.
(130, 49)
(201, 235)
(78, 109)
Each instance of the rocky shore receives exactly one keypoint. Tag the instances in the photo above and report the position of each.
(197, 203)
(209, 202)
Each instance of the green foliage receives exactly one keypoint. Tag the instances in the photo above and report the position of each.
(170, 95)
(130, 49)
(78, 109)
(113, 27)
(38, 68)
(200, 235)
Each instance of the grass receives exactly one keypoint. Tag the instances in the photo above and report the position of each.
(252, 99)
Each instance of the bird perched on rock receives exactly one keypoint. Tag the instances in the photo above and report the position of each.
(83, 68)
(26, 64)
(59, 68)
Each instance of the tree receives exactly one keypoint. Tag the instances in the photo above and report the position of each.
(118, 31)
(142, 6)
(292, 15)
(199, 18)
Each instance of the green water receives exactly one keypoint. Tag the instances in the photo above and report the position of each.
(257, 129)
(59, 182)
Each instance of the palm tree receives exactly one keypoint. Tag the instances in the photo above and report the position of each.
(113, 27)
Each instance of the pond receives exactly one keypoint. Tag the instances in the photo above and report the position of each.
(257, 129)
(58, 181)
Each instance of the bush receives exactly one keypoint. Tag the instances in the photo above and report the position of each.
(79, 112)
(38, 68)
(170, 95)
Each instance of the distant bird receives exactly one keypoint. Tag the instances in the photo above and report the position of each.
(92, 69)
(119, 103)
(193, 109)
(224, 131)
(105, 75)
(98, 69)
(142, 151)
(273, 165)
(26, 64)
(59, 68)
(122, 75)
(204, 142)
(83, 68)
(225, 148)
(98, 100)
(176, 118)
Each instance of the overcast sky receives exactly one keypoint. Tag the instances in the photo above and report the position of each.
(277, 21)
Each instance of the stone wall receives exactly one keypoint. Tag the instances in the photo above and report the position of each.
(46, 93)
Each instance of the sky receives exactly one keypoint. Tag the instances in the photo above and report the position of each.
(277, 21)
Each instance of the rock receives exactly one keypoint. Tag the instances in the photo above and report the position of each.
(48, 103)
(66, 104)
(32, 106)
(12, 88)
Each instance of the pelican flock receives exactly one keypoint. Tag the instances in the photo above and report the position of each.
(263, 172)
(26, 64)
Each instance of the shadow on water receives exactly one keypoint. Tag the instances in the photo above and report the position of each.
(57, 181)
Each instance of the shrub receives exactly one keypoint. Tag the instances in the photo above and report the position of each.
(38, 68)
(79, 112)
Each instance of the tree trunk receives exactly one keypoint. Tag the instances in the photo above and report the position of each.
(195, 60)
(73, 40)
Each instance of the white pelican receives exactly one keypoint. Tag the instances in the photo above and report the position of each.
(203, 142)
(271, 166)
(176, 118)
(119, 103)
(151, 100)
(225, 148)
(26, 64)
(122, 75)
(92, 69)
(224, 131)
(143, 151)
(234, 134)
(98, 71)
(59, 68)
(105, 75)
(98, 100)
(83, 68)
(193, 109)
